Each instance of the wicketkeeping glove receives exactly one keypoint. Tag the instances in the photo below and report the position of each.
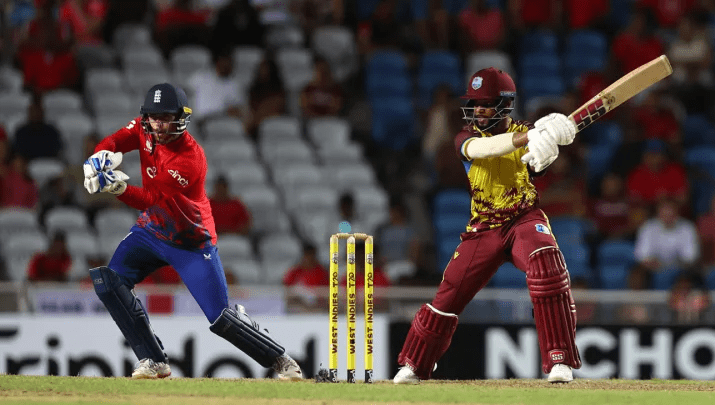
(101, 161)
(111, 181)
(558, 127)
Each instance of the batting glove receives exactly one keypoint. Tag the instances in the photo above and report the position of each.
(542, 150)
(101, 161)
(111, 181)
(558, 127)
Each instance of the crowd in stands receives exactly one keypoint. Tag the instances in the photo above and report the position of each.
(365, 97)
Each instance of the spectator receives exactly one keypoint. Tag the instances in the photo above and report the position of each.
(238, 23)
(656, 119)
(397, 237)
(584, 14)
(181, 24)
(308, 271)
(347, 212)
(229, 212)
(448, 167)
(636, 313)
(666, 241)
(312, 14)
(60, 191)
(217, 91)
(53, 264)
(636, 44)
(301, 280)
(18, 188)
(657, 177)
(528, 14)
(85, 18)
(483, 26)
(46, 60)
(667, 12)
(691, 50)
(267, 94)
(688, 299)
(432, 25)
(438, 125)
(124, 12)
(322, 96)
(706, 231)
(562, 190)
(612, 213)
(36, 138)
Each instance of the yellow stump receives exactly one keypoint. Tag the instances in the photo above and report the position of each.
(369, 277)
(351, 309)
(333, 309)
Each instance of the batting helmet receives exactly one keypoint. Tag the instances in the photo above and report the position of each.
(492, 88)
(165, 98)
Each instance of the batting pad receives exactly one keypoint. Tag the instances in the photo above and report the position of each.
(429, 337)
(554, 309)
(247, 336)
(128, 313)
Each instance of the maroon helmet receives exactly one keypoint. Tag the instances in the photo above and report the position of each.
(489, 88)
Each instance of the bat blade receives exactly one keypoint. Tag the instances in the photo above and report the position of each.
(621, 91)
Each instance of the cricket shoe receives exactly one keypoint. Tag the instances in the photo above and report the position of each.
(287, 368)
(149, 369)
(560, 373)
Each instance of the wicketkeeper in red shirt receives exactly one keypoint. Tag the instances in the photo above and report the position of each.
(175, 228)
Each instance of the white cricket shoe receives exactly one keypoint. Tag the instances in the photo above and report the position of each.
(560, 373)
(287, 368)
(406, 376)
(149, 369)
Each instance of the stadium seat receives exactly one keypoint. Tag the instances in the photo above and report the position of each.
(313, 198)
(335, 155)
(613, 276)
(539, 85)
(296, 67)
(388, 86)
(337, 45)
(43, 169)
(66, 219)
(577, 259)
(19, 249)
(452, 200)
(710, 280)
(539, 41)
(246, 60)
(247, 271)
(372, 203)
(393, 123)
(615, 259)
(353, 176)
(397, 269)
(232, 247)
(585, 51)
(437, 68)
(328, 131)
(142, 59)
(447, 224)
(130, 35)
(114, 220)
(702, 189)
(187, 59)
(224, 154)
(446, 246)
(139, 82)
(570, 230)
(81, 246)
(299, 176)
(698, 131)
(245, 174)
(702, 158)
(94, 56)
(386, 62)
(11, 80)
(535, 65)
(17, 220)
(288, 153)
(223, 128)
(492, 58)
(14, 103)
(285, 36)
(114, 102)
(74, 128)
(508, 276)
(57, 103)
(280, 246)
(598, 163)
(278, 128)
(108, 124)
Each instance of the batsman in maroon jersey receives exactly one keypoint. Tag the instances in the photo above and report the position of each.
(500, 156)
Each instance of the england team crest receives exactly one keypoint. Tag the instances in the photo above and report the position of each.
(477, 82)
(148, 145)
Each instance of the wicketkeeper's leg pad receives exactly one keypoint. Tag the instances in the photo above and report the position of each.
(554, 309)
(239, 329)
(429, 337)
(128, 313)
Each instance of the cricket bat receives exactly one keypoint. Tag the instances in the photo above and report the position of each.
(621, 91)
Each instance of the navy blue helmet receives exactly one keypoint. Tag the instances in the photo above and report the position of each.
(163, 100)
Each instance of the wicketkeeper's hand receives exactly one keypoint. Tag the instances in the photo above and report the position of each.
(110, 181)
(101, 161)
(558, 127)
(542, 150)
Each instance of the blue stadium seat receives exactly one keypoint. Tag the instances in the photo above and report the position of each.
(531, 86)
(620, 14)
(386, 62)
(540, 64)
(702, 158)
(446, 246)
(598, 163)
(577, 261)
(569, 230)
(365, 8)
(604, 133)
(436, 68)
(615, 259)
(508, 276)
(585, 51)
(447, 224)
(710, 280)
(698, 131)
(539, 41)
(456, 201)
(664, 279)
(385, 86)
(393, 122)
(613, 276)
(702, 189)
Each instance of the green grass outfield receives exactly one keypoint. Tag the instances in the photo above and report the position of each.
(204, 391)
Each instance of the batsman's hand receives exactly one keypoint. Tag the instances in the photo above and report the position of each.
(542, 150)
(101, 161)
(558, 127)
(110, 181)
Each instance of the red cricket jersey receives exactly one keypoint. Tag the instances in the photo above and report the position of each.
(173, 200)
